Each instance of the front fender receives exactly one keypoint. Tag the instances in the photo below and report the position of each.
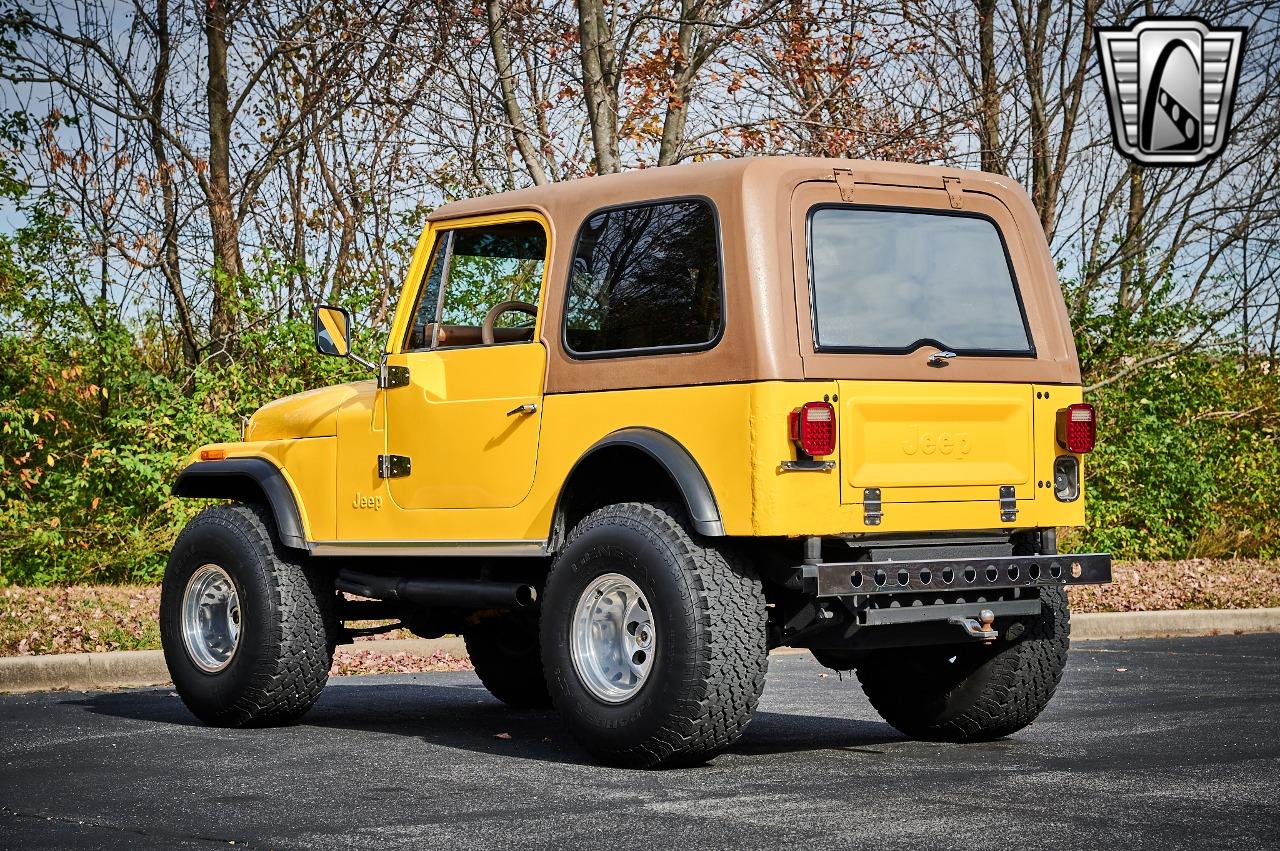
(246, 480)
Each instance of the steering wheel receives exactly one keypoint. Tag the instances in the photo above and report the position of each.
(486, 329)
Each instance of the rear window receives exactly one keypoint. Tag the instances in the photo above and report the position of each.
(894, 280)
(645, 278)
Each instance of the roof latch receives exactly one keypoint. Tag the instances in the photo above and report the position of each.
(954, 190)
(844, 180)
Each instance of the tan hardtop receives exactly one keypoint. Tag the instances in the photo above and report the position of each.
(764, 268)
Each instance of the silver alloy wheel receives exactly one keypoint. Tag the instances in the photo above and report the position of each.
(211, 618)
(612, 639)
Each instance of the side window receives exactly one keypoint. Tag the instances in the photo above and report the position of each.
(479, 268)
(645, 277)
(488, 266)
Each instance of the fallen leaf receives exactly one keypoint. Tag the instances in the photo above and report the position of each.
(503, 736)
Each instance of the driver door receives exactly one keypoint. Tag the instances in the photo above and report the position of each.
(462, 426)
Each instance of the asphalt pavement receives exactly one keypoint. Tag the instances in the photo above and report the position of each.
(1148, 744)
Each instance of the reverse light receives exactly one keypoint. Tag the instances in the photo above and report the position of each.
(813, 428)
(1077, 428)
(1066, 478)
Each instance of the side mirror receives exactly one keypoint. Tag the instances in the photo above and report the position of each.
(333, 331)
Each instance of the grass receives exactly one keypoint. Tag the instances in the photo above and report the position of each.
(96, 618)
(78, 619)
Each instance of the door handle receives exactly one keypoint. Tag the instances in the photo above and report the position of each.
(526, 408)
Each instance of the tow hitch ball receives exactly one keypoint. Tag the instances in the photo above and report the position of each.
(981, 628)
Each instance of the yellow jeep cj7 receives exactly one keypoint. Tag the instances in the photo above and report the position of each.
(629, 433)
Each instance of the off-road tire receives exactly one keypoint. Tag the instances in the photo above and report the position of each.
(986, 693)
(288, 627)
(711, 654)
(506, 658)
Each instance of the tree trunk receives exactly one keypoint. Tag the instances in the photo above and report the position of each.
(511, 106)
(682, 77)
(599, 83)
(989, 120)
(224, 225)
(1057, 116)
(1133, 268)
(170, 261)
(1033, 45)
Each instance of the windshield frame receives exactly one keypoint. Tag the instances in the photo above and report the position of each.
(921, 342)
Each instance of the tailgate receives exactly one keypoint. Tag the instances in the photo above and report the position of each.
(935, 441)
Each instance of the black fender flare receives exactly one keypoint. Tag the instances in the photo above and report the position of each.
(246, 480)
(679, 465)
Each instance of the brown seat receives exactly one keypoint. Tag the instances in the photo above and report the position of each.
(469, 335)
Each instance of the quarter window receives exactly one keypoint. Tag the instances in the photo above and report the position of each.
(645, 277)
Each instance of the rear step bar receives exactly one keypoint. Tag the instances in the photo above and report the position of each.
(842, 579)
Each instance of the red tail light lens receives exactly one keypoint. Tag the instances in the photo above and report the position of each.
(1077, 428)
(813, 428)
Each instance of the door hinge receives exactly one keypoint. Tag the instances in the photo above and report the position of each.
(871, 513)
(954, 190)
(393, 376)
(847, 184)
(393, 466)
(1008, 504)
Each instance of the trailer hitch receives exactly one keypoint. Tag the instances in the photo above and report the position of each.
(981, 628)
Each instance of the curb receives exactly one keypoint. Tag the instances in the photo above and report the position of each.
(135, 668)
(83, 671)
(451, 644)
(1096, 626)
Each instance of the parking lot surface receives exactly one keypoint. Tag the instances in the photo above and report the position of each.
(1148, 744)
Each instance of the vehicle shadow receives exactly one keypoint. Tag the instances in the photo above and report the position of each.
(466, 717)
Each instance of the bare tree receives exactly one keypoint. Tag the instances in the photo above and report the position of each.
(284, 151)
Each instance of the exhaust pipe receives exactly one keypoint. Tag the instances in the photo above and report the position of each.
(448, 593)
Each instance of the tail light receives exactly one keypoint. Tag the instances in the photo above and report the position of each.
(813, 428)
(1077, 428)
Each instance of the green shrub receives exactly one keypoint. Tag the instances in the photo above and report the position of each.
(1189, 446)
(96, 420)
(1188, 461)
